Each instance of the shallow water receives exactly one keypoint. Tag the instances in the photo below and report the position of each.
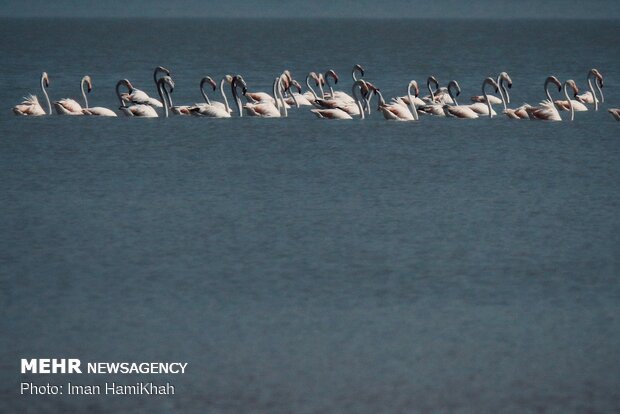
(308, 266)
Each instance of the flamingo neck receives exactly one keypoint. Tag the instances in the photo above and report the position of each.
(118, 94)
(224, 95)
(204, 94)
(412, 107)
(47, 98)
(451, 94)
(236, 97)
(486, 98)
(357, 85)
(593, 93)
(329, 85)
(161, 90)
(570, 103)
(280, 96)
(310, 88)
(84, 94)
(502, 90)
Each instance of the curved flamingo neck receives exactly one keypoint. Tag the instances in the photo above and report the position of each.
(47, 98)
(486, 97)
(593, 94)
(84, 93)
(453, 96)
(358, 85)
(163, 95)
(570, 102)
(279, 95)
(329, 85)
(233, 86)
(310, 88)
(412, 107)
(202, 91)
(224, 95)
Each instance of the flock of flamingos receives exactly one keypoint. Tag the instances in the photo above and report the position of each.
(327, 103)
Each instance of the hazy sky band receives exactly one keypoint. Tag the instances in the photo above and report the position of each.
(548, 9)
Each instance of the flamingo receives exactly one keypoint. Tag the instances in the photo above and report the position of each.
(30, 106)
(398, 110)
(297, 97)
(615, 112)
(68, 106)
(578, 104)
(143, 110)
(97, 110)
(266, 109)
(416, 100)
(505, 97)
(546, 110)
(311, 95)
(138, 96)
(485, 109)
(213, 109)
(340, 95)
(590, 97)
(457, 111)
(429, 106)
(571, 83)
(339, 100)
(517, 113)
(339, 113)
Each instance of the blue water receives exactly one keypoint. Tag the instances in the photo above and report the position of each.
(310, 266)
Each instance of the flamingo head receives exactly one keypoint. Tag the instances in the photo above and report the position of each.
(359, 69)
(296, 85)
(238, 80)
(456, 85)
(161, 69)
(414, 84)
(167, 80)
(210, 81)
(555, 81)
(89, 83)
(504, 76)
(45, 79)
(333, 74)
(492, 82)
(571, 83)
(598, 76)
(433, 80)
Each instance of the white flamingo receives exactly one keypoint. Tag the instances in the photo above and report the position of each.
(68, 106)
(143, 110)
(340, 113)
(30, 106)
(457, 111)
(297, 97)
(546, 110)
(589, 97)
(397, 110)
(310, 94)
(275, 108)
(429, 105)
(505, 97)
(97, 110)
(213, 109)
(137, 96)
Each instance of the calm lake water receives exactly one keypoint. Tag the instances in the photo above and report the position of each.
(309, 266)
